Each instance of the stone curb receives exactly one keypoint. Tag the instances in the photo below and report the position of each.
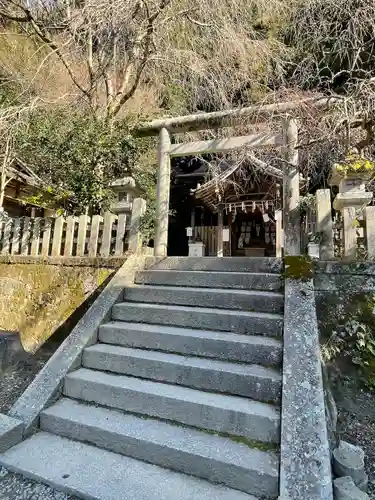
(11, 430)
(46, 386)
(305, 472)
(110, 262)
(342, 267)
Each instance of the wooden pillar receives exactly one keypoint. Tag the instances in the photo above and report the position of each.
(220, 226)
(162, 194)
(230, 221)
(292, 233)
(192, 224)
(192, 217)
(324, 223)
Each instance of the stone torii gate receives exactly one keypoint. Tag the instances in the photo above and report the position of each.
(165, 128)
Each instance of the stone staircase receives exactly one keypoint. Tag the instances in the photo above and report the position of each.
(180, 397)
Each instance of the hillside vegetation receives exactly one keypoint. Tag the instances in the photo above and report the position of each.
(77, 76)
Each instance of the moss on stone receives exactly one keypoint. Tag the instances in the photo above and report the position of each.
(298, 267)
(36, 299)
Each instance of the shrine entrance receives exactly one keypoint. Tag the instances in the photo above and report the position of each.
(260, 224)
(253, 232)
(248, 206)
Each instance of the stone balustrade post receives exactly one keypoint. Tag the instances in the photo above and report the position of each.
(324, 223)
(352, 196)
(369, 217)
(349, 232)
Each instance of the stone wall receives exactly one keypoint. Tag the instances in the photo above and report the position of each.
(343, 292)
(345, 304)
(39, 296)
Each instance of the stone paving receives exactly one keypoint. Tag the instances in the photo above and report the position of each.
(16, 487)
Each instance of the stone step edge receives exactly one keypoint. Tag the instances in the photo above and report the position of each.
(219, 291)
(183, 360)
(73, 468)
(106, 389)
(189, 342)
(196, 309)
(237, 338)
(187, 450)
(213, 376)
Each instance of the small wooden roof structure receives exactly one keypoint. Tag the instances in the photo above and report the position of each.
(214, 192)
(19, 172)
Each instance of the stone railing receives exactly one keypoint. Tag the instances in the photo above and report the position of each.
(344, 229)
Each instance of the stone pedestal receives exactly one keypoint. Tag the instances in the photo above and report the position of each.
(196, 249)
(314, 250)
(352, 196)
(349, 232)
(324, 223)
(369, 217)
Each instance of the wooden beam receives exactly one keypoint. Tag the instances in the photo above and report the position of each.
(230, 117)
(265, 168)
(222, 145)
(220, 226)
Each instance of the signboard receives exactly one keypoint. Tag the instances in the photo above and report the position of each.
(189, 232)
(225, 234)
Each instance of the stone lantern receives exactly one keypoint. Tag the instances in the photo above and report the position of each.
(126, 190)
(129, 201)
(351, 197)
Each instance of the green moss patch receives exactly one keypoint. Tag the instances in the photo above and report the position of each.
(298, 267)
(36, 299)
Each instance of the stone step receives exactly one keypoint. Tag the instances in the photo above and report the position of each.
(227, 346)
(252, 381)
(248, 300)
(92, 473)
(222, 413)
(205, 279)
(249, 323)
(226, 264)
(215, 458)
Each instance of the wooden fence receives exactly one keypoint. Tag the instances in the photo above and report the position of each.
(72, 236)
